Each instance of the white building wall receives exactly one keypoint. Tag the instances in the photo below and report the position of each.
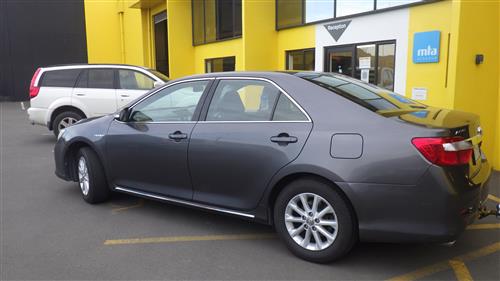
(391, 25)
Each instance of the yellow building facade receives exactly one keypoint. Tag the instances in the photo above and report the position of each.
(378, 43)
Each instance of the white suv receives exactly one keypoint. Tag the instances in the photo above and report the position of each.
(62, 95)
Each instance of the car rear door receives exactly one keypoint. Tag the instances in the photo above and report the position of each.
(95, 91)
(131, 85)
(242, 141)
(149, 152)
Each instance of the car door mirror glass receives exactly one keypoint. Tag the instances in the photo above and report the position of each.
(123, 115)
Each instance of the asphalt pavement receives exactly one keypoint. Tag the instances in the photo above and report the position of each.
(47, 232)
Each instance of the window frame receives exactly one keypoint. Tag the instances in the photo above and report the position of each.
(354, 49)
(212, 59)
(196, 114)
(210, 95)
(216, 25)
(374, 11)
(287, 59)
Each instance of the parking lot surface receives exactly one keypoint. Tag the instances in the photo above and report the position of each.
(47, 232)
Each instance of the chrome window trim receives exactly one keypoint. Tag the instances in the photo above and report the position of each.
(309, 120)
(183, 202)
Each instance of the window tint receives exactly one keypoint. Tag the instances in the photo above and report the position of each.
(101, 78)
(60, 78)
(133, 80)
(286, 110)
(243, 100)
(300, 59)
(220, 64)
(174, 103)
(83, 79)
(215, 20)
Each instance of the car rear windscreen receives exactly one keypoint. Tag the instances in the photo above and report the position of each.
(363, 94)
(60, 78)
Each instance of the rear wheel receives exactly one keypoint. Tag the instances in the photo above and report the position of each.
(315, 221)
(64, 120)
(91, 178)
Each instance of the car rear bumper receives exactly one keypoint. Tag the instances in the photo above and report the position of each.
(437, 209)
(37, 116)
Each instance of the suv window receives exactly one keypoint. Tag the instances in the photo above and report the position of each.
(243, 100)
(174, 103)
(100, 78)
(60, 78)
(134, 80)
(286, 110)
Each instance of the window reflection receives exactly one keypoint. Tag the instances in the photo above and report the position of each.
(382, 4)
(350, 7)
(317, 10)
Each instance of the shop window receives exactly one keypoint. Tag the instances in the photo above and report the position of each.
(220, 64)
(300, 59)
(382, 4)
(215, 20)
(372, 63)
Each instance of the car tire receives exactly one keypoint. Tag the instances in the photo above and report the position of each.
(91, 178)
(335, 230)
(64, 120)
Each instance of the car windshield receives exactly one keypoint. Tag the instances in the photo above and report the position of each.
(369, 96)
(159, 75)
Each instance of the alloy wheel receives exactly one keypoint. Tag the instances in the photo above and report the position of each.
(83, 176)
(311, 221)
(66, 122)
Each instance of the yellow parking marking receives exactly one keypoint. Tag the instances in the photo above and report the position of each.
(445, 265)
(171, 239)
(118, 209)
(484, 226)
(461, 271)
(493, 198)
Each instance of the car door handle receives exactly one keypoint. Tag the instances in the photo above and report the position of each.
(177, 136)
(124, 95)
(284, 139)
(80, 94)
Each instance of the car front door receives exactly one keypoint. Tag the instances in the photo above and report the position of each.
(131, 85)
(251, 130)
(95, 91)
(148, 152)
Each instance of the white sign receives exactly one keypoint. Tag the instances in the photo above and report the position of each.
(419, 93)
(365, 75)
(365, 62)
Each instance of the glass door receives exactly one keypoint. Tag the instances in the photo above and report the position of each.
(340, 60)
(161, 42)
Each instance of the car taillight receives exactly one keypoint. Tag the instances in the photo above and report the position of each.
(444, 151)
(33, 89)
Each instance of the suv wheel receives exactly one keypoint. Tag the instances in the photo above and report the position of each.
(91, 178)
(64, 120)
(314, 221)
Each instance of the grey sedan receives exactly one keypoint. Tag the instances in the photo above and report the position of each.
(326, 159)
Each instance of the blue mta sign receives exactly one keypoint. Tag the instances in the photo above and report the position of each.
(426, 47)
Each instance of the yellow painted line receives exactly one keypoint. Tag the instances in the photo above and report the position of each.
(493, 198)
(484, 226)
(171, 239)
(461, 271)
(117, 209)
(445, 265)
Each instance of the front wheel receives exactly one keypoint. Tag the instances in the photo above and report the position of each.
(91, 178)
(315, 221)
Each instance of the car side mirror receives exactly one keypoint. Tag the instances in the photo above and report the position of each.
(157, 84)
(123, 115)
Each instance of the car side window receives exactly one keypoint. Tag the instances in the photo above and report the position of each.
(101, 78)
(134, 80)
(174, 103)
(286, 110)
(243, 100)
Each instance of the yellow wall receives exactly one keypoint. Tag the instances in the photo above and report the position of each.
(227, 48)
(111, 37)
(433, 75)
(294, 39)
(477, 86)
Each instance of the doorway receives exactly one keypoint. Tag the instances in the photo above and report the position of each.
(161, 42)
(370, 62)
